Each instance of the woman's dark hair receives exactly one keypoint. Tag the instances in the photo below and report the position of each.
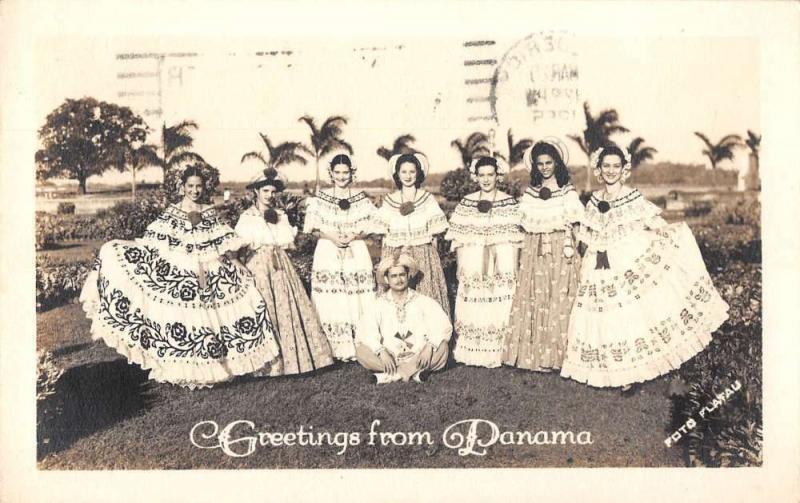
(413, 160)
(486, 161)
(561, 171)
(611, 150)
(193, 171)
(341, 159)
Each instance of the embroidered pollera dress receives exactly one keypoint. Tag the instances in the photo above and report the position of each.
(547, 281)
(415, 232)
(145, 300)
(342, 283)
(302, 341)
(645, 301)
(487, 246)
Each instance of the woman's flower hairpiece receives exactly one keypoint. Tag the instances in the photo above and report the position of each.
(595, 158)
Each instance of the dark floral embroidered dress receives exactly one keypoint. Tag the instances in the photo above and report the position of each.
(172, 302)
(645, 302)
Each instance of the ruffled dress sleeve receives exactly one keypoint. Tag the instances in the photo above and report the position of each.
(173, 233)
(627, 214)
(415, 228)
(257, 232)
(500, 225)
(558, 212)
(313, 220)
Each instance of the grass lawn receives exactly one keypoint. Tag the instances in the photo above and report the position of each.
(112, 417)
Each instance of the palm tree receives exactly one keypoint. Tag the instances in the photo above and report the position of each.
(721, 151)
(639, 152)
(176, 144)
(278, 155)
(753, 142)
(144, 155)
(401, 145)
(476, 144)
(597, 133)
(326, 139)
(516, 150)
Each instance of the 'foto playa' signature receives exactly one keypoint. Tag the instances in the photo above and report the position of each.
(690, 423)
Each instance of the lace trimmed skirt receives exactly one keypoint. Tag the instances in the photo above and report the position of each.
(652, 309)
(151, 308)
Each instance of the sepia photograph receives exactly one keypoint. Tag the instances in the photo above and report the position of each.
(354, 237)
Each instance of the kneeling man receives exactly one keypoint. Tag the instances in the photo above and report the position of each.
(406, 333)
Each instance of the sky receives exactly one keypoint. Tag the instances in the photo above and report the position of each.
(388, 84)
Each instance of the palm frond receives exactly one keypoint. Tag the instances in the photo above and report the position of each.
(731, 140)
(333, 126)
(580, 141)
(334, 144)
(384, 152)
(518, 150)
(476, 140)
(146, 155)
(286, 153)
(267, 142)
(705, 139)
(183, 157)
(402, 143)
(254, 155)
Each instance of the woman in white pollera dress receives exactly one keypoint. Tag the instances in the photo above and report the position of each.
(342, 284)
(485, 231)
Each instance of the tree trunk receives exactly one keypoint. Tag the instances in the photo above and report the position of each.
(588, 185)
(316, 184)
(133, 183)
(82, 185)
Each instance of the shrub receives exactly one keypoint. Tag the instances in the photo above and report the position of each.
(128, 219)
(230, 211)
(124, 220)
(698, 208)
(721, 245)
(57, 284)
(732, 434)
(65, 208)
(51, 229)
(742, 211)
(48, 374)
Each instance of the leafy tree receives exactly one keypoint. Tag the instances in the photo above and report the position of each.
(326, 139)
(597, 133)
(722, 150)
(476, 144)
(86, 137)
(640, 152)
(401, 145)
(280, 154)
